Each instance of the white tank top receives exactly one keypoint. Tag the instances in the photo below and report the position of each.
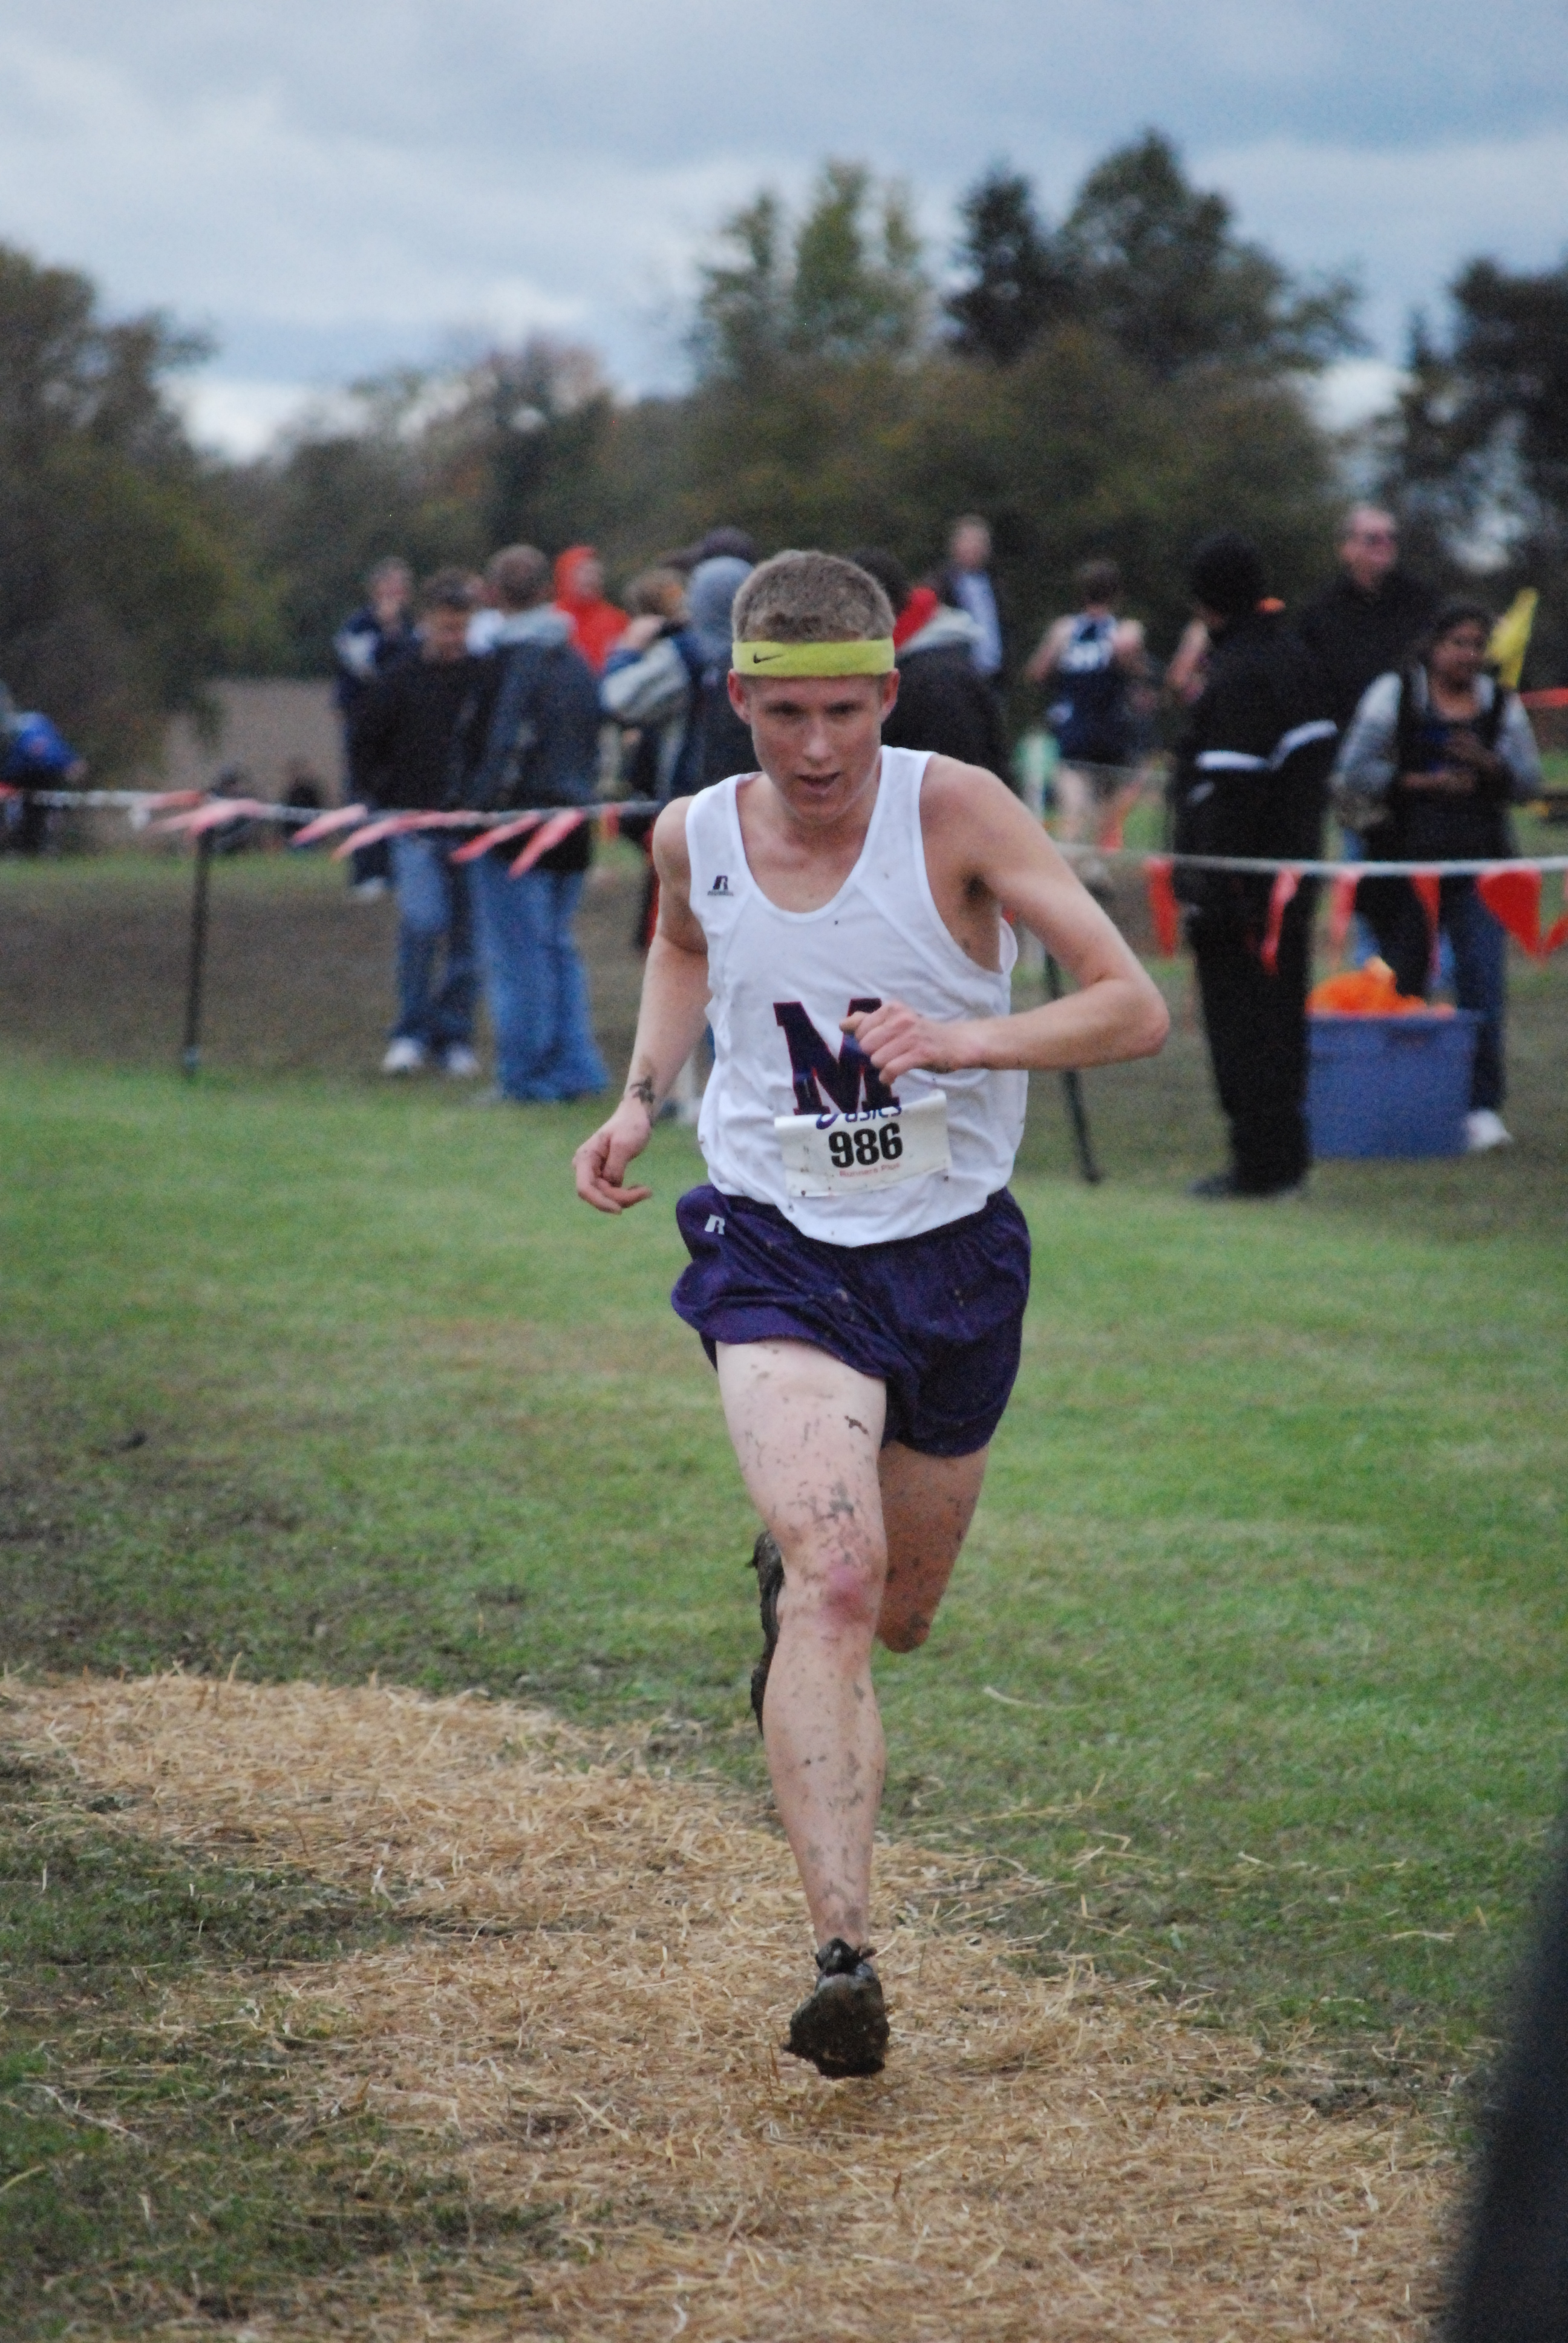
(781, 981)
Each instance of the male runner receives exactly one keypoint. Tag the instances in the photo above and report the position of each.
(1094, 664)
(858, 1271)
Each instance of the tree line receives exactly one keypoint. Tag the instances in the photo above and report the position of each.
(1114, 383)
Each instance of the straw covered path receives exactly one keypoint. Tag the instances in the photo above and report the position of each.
(593, 1963)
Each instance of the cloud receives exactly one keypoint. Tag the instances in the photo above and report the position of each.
(332, 188)
(1354, 391)
(241, 418)
(1406, 218)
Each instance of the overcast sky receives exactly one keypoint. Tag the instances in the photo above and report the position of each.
(335, 187)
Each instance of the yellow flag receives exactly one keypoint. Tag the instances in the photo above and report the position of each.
(1510, 636)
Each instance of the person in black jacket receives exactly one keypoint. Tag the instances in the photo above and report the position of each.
(541, 750)
(944, 703)
(1251, 780)
(415, 738)
(373, 640)
(1366, 623)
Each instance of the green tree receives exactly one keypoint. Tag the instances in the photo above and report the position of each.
(1074, 451)
(1485, 415)
(123, 587)
(523, 435)
(824, 410)
(845, 285)
(1480, 455)
(1017, 281)
(1159, 266)
(516, 446)
(1146, 258)
(1075, 435)
(809, 342)
(318, 512)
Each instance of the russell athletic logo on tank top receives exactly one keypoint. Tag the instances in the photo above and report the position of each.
(795, 1113)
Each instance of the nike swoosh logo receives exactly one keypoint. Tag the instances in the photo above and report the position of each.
(765, 659)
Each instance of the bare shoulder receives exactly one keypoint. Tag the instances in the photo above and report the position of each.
(671, 855)
(957, 799)
(977, 834)
(678, 923)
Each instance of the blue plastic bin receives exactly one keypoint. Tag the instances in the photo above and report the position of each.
(1390, 1085)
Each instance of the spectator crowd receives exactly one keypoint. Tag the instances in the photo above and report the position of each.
(529, 688)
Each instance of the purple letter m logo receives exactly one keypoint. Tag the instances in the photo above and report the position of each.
(824, 1082)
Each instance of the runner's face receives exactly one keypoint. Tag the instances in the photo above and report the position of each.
(816, 737)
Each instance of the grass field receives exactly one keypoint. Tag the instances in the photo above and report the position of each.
(1256, 1660)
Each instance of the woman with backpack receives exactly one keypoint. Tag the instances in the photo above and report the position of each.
(1434, 758)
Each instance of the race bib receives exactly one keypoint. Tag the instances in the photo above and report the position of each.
(847, 1154)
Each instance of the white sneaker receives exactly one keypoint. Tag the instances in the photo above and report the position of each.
(459, 1061)
(404, 1057)
(1484, 1131)
(369, 891)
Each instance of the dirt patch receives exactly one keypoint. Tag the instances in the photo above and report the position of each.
(582, 2018)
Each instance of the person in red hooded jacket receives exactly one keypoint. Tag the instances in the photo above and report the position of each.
(596, 625)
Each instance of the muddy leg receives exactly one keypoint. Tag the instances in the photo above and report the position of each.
(807, 1432)
(928, 1504)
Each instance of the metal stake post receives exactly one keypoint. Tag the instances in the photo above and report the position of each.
(190, 1055)
(1072, 1091)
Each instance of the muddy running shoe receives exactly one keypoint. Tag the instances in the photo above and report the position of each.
(768, 1563)
(842, 2028)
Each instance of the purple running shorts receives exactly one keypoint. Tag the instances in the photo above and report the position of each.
(937, 1319)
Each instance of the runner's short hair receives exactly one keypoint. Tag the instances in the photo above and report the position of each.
(1099, 581)
(811, 598)
(446, 590)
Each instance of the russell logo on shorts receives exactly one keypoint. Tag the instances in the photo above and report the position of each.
(720, 885)
(847, 1083)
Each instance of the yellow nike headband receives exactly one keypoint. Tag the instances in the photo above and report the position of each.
(767, 659)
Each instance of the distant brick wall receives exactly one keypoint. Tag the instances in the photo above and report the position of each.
(268, 726)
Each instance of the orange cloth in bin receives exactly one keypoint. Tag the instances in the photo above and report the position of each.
(1368, 991)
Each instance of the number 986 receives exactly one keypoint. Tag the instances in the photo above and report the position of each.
(884, 1144)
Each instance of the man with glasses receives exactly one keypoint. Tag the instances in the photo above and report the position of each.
(1366, 623)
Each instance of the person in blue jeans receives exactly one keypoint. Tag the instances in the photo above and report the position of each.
(1436, 755)
(434, 923)
(415, 740)
(541, 750)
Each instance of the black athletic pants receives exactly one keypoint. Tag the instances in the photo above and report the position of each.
(1257, 1028)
